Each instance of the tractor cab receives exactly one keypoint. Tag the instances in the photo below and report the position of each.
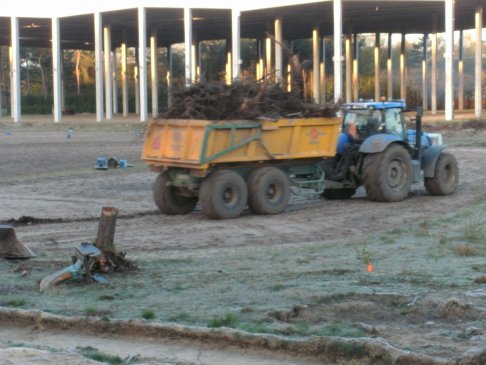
(363, 119)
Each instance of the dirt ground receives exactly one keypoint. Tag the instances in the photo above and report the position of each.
(424, 299)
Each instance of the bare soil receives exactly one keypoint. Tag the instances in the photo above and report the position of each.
(299, 275)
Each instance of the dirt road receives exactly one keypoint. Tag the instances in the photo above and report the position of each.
(46, 176)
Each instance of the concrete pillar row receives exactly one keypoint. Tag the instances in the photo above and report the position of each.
(355, 68)
(389, 67)
(449, 60)
(278, 50)
(425, 89)
(154, 73)
(460, 72)
(142, 62)
(349, 68)
(188, 45)
(124, 70)
(377, 67)
(323, 74)
(170, 90)
(433, 71)
(114, 80)
(478, 69)
(316, 65)
(108, 83)
(403, 79)
(338, 49)
(268, 57)
(235, 44)
(56, 70)
(15, 70)
(98, 35)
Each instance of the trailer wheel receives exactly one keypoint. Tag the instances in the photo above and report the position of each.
(223, 194)
(446, 176)
(387, 176)
(168, 199)
(335, 194)
(269, 190)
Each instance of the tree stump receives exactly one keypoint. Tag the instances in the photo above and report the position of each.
(106, 230)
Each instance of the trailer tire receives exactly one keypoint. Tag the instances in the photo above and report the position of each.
(223, 194)
(446, 176)
(167, 198)
(335, 194)
(387, 175)
(269, 190)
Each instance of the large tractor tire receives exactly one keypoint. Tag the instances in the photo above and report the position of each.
(168, 199)
(335, 194)
(223, 194)
(446, 176)
(387, 176)
(269, 190)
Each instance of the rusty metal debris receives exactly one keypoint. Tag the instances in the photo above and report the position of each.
(10, 246)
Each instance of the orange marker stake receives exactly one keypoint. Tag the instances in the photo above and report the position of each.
(370, 267)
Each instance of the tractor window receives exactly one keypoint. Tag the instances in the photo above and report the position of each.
(393, 121)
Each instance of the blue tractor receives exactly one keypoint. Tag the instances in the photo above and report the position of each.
(377, 151)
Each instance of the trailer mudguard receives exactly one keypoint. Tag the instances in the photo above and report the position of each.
(378, 143)
(429, 159)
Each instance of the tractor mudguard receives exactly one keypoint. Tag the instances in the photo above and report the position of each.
(429, 159)
(378, 143)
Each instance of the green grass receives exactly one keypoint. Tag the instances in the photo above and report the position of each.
(96, 355)
(228, 320)
(148, 314)
(16, 302)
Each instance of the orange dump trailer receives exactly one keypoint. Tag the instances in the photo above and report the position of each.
(227, 165)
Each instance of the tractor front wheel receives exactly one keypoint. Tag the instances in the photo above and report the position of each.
(446, 176)
(387, 176)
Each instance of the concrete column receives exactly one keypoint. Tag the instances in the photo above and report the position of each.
(10, 68)
(235, 44)
(349, 68)
(403, 79)
(115, 82)
(355, 68)
(142, 62)
(1, 89)
(268, 57)
(389, 68)
(108, 83)
(433, 68)
(137, 90)
(154, 73)
(338, 50)
(56, 69)
(377, 67)
(278, 50)
(98, 34)
(315, 64)
(124, 78)
(15, 70)
(323, 74)
(170, 91)
(194, 57)
(188, 45)
(449, 60)
(460, 71)
(425, 92)
(478, 87)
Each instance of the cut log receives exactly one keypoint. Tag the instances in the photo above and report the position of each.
(106, 230)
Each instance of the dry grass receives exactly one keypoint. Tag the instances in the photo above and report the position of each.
(465, 250)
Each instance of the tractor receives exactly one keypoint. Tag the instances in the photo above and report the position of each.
(375, 150)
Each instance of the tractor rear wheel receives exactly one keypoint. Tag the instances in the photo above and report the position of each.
(446, 176)
(269, 190)
(168, 198)
(223, 194)
(387, 176)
